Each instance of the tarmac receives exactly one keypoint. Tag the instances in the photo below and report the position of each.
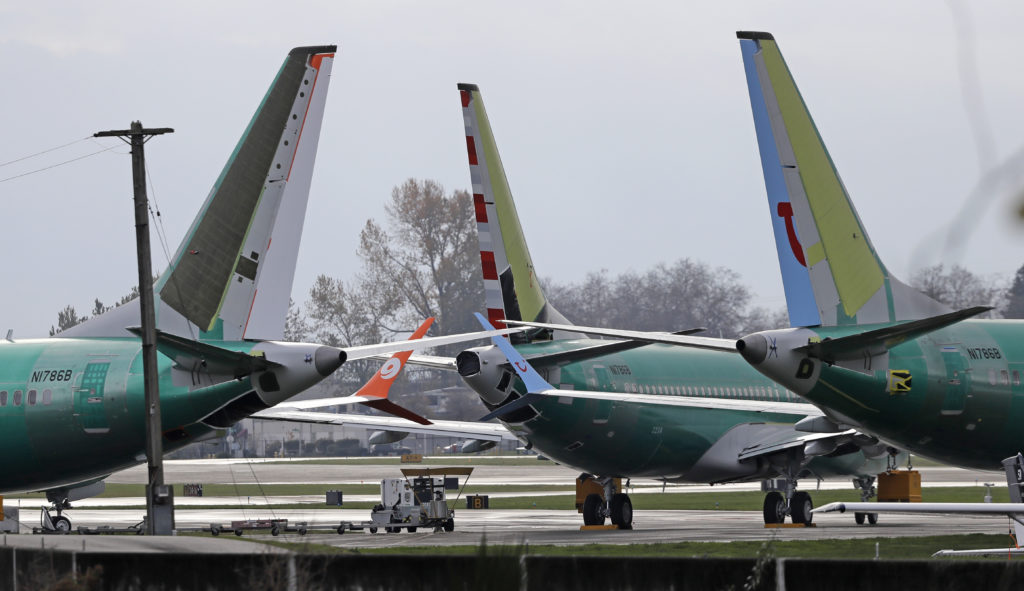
(526, 526)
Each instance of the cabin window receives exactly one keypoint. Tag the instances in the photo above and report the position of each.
(47, 397)
(1004, 377)
(17, 398)
(32, 397)
(1016, 378)
(3, 397)
(992, 376)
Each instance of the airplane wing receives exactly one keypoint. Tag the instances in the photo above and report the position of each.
(664, 338)
(431, 361)
(1007, 509)
(374, 393)
(1014, 468)
(538, 387)
(463, 429)
(762, 406)
(368, 351)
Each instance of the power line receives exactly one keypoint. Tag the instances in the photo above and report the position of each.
(18, 176)
(2, 164)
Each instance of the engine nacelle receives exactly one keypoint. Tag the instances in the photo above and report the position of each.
(475, 445)
(385, 437)
(484, 370)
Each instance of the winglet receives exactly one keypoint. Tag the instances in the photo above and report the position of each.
(376, 390)
(530, 377)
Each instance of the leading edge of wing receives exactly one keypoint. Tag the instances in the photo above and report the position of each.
(465, 429)
(664, 338)
(364, 351)
(949, 508)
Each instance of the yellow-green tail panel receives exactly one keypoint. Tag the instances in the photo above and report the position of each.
(855, 269)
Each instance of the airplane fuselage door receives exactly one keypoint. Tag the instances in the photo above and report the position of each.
(89, 397)
(958, 380)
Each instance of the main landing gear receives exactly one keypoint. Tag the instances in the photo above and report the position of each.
(615, 505)
(783, 499)
(796, 504)
(867, 492)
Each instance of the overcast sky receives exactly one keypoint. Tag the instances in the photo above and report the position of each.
(625, 128)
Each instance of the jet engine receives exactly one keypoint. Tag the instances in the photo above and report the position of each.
(486, 371)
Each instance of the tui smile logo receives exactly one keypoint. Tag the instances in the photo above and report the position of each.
(785, 211)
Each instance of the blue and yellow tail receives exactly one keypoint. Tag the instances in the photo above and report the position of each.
(831, 272)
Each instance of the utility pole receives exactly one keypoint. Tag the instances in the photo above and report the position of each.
(159, 497)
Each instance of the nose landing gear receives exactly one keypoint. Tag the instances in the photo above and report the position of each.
(55, 525)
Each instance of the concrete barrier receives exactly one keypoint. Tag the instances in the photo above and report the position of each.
(497, 569)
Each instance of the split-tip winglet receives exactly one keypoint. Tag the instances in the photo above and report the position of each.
(530, 377)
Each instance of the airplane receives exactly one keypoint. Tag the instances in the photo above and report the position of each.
(873, 353)
(667, 413)
(71, 407)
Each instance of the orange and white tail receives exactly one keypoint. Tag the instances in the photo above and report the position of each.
(375, 391)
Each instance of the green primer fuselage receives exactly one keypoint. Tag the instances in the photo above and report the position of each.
(965, 403)
(646, 440)
(72, 409)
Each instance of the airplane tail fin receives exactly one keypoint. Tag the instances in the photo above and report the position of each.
(831, 272)
(232, 275)
(376, 390)
(374, 393)
(511, 286)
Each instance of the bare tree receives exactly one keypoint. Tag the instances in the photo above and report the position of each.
(959, 288)
(684, 294)
(1015, 297)
(427, 262)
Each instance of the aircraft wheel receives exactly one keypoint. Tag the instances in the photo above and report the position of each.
(62, 524)
(449, 525)
(800, 507)
(859, 518)
(215, 531)
(302, 531)
(872, 518)
(238, 532)
(774, 508)
(592, 510)
(341, 530)
(412, 529)
(373, 530)
(622, 511)
(274, 531)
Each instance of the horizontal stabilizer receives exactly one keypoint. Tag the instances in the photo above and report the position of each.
(190, 354)
(431, 361)
(462, 429)
(664, 338)
(591, 352)
(876, 342)
(366, 351)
